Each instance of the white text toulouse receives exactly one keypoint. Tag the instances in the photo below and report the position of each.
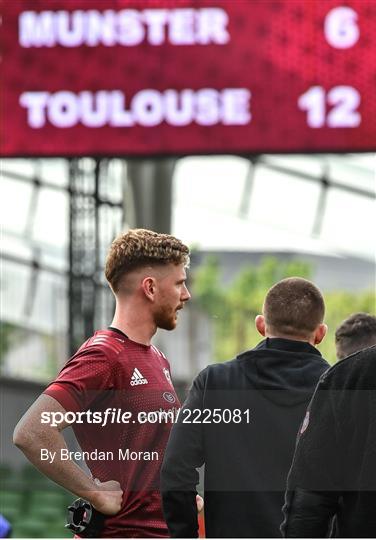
(205, 107)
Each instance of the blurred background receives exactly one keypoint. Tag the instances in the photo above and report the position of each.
(251, 217)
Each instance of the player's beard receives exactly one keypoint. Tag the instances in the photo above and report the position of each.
(166, 318)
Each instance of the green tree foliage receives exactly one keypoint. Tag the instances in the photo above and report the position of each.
(233, 307)
(7, 332)
(12, 337)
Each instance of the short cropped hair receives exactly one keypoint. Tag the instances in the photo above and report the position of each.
(293, 307)
(139, 248)
(355, 333)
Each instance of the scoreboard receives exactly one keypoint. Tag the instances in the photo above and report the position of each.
(178, 77)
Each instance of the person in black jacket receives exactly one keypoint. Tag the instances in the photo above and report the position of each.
(334, 467)
(241, 419)
(355, 333)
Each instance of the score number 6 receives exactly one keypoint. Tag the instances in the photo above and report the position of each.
(340, 27)
(345, 100)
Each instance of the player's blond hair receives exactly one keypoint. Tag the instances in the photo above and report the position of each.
(139, 248)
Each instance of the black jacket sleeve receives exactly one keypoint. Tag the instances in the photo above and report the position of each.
(309, 514)
(313, 483)
(179, 475)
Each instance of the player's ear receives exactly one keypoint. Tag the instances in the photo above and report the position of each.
(320, 333)
(260, 324)
(148, 286)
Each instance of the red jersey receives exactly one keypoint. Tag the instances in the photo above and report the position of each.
(113, 372)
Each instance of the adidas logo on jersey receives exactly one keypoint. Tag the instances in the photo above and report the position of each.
(138, 378)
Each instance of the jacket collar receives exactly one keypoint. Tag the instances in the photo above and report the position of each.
(290, 345)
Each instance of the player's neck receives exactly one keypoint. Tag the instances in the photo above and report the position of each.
(138, 326)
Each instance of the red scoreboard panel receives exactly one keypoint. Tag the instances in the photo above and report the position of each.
(159, 77)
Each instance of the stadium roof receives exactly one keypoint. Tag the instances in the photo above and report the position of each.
(323, 204)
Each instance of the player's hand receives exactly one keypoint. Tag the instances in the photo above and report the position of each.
(107, 499)
(199, 503)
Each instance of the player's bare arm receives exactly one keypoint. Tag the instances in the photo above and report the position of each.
(30, 435)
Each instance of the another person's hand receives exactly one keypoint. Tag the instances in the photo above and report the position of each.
(107, 499)
(199, 503)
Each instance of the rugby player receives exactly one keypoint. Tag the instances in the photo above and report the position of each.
(118, 368)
